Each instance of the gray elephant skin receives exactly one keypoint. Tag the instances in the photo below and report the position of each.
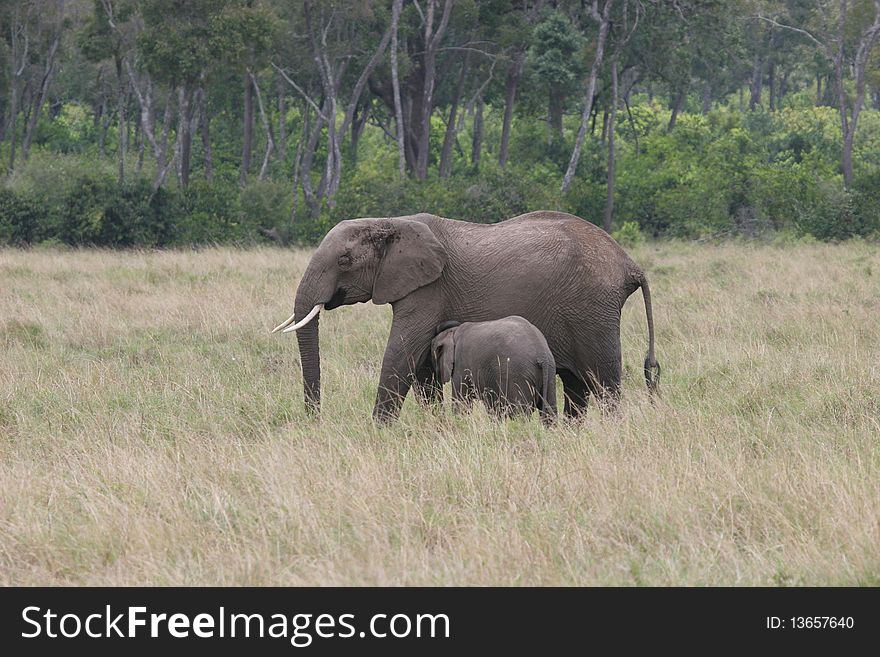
(565, 275)
(505, 363)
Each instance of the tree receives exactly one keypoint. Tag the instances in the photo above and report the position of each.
(844, 44)
(603, 21)
(555, 42)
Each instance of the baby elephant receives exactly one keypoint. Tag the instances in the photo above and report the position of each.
(505, 362)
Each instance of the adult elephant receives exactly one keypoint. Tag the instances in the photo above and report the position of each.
(563, 274)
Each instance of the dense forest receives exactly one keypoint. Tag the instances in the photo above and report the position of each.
(179, 122)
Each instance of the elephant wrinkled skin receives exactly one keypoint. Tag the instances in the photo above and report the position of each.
(565, 275)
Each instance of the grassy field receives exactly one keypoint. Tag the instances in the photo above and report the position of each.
(152, 432)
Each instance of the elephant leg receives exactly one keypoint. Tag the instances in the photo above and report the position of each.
(389, 398)
(604, 382)
(603, 376)
(575, 393)
(399, 367)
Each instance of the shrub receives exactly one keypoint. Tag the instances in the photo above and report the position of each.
(82, 211)
(263, 205)
(19, 218)
(209, 214)
(138, 216)
(628, 235)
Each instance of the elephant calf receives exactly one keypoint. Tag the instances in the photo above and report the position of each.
(505, 362)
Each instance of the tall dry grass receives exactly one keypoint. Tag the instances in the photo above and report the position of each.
(151, 432)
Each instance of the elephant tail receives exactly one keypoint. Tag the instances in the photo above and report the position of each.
(546, 398)
(652, 367)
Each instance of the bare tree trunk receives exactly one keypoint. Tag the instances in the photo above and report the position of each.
(358, 123)
(846, 158)
(828, 94)
(102, 135)
(849, 123)
(432, 42)
(40, 96)
(270, 141)
(603, 20)
(308, 157)
(604, 134)
(19, 46)
(282, 118)
(205, 129)
(395, 81)
(297, 163)
(13, 131)
(677, 106)
(609, 198)
(477, 143)
(409, 136)
(783, 87)
(513, 76)
(184, 129)
(248, 130)
(121, 103)
(771, 84)
(756, 83)
(818, 90)
(353, 102)
(632, 124)
(163, 164)
(449, 137)
(707, 97)
(141, 147)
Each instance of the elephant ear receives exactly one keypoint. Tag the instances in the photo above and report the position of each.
(443, 355)
(413, 258)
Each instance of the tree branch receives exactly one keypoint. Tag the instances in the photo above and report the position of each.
(307, 98)
(797, 30)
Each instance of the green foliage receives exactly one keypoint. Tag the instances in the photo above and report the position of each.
(138, 216)
(492, 195)
(209, 214)
(554, 44)
(80, 221)
(19, 218)
(629, 234)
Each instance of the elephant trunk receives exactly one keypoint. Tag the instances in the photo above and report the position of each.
(310, 357)
(314, 290)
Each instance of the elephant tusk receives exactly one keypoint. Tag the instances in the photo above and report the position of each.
(284, 324)
(305, 320)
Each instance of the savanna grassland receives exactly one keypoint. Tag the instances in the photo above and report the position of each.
(152, 432)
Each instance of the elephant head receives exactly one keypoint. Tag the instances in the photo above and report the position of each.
(358, 260)
(443, 351)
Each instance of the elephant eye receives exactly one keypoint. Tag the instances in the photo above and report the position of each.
(345, 261)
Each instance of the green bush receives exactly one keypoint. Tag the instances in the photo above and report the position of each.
(497, 194)
(80, 221)
(628, 235)
(19, 218)
(209, 214)
(727, 172)
(263, 205)
(138, 216)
